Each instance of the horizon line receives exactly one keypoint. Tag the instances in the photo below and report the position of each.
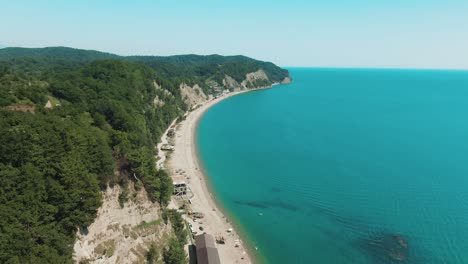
(282, 66)
(372, 68)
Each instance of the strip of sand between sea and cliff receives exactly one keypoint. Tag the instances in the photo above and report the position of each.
(183, 165)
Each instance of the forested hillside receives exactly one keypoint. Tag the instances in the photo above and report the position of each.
(173, 70)
(74, 121)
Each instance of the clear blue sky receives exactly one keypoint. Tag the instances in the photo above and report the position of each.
(325, 33)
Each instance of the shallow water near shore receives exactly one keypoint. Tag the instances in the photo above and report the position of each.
(340, 164)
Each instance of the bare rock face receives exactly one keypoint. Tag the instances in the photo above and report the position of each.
(253, 77)
(192, 95)
(229, 82)
(286, 80)
(121, 234)
(158, 102)
(156, 85)
(159, 87)
(258, 75)
(251, 81)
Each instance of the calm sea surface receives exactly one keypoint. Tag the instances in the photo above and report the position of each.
(345, 166)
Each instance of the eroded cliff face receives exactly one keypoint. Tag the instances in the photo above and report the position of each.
(229, 82)
(251, 79)
(192, 95)
(122, 235)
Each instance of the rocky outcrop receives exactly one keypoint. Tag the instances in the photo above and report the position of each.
(258, 75)
(159, 87)
(286, 80)
(156, 85)
(158, 102)
(192, 95)
(253, 80)
(257, 80)
(229, 82)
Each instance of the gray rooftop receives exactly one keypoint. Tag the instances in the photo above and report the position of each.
(207, 253)
(208, 256)
(205, 241)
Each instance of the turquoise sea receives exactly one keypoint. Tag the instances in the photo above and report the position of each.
(345, 166)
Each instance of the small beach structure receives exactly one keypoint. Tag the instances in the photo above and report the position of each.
(196, 214)
(206, 251)
(180, 188)
(167, 147)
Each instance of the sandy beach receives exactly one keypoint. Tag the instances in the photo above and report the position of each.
(183, 166)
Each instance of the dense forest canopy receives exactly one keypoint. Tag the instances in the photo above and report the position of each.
(73, 122)
(180, 67)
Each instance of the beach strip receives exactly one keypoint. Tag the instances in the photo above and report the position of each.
(183, 166)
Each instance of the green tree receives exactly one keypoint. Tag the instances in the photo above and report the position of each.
(101, 131)
(174, 253)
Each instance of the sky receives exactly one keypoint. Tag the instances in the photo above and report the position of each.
(303, 33)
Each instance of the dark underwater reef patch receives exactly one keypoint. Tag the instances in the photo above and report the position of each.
(268, 204)
(283, 205)
(386, 247)
(258, 205)
(377, 244)
(275, 190)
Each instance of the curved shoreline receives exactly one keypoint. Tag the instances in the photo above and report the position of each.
(248, 246)
(184, 164)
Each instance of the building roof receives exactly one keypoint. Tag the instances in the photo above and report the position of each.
(207, 253)
(204, 241)
(208, 256)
